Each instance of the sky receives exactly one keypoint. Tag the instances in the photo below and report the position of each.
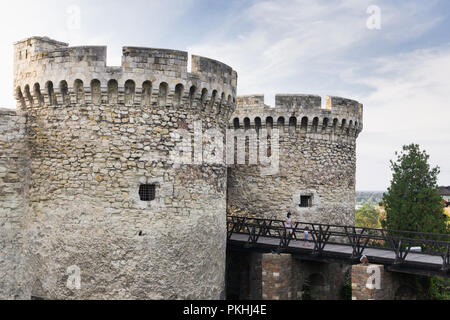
(393, 56)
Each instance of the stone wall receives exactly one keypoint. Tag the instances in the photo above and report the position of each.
(277, 277)
(95, 135)
(258, 276)
(12, 205)
(374, 282)
(318, 280)
(317, 157)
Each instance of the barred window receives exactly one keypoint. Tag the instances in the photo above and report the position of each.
(147, 192)
(305, 201)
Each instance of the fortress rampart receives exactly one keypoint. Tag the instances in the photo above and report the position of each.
(103, 195)
(340, 119)
(93, 189)
(13, 218)
(316, 148)
(51, 72)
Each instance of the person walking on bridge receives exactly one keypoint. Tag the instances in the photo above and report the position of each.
(306, 234)
(288, 225)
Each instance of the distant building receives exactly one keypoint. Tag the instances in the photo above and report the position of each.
(444, 192)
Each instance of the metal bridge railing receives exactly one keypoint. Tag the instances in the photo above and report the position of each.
(397, 241)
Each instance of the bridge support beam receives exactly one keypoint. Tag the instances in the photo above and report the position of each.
(374, 282)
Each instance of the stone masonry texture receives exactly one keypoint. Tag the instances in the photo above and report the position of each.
(86, 137)
(317, 158)
(374, 282)
(73, 156)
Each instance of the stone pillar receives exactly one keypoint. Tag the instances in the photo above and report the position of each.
(372, 282)
(277, 277)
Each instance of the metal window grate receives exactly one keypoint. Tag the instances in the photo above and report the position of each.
(305, 201)
(147, 192)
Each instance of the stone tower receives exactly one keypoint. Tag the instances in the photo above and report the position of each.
(103, 200)
(316, 151)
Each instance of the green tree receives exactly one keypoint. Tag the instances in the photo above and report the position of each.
(412, 202)
(367, 216)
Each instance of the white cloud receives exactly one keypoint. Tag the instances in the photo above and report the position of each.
(409, 103)
(285, 39)
(289, 46)
(308, 47)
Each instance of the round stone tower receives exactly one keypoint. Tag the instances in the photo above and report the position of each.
(111, 213)
(313, 158)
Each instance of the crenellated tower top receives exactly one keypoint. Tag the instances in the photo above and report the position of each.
(50, 71)
(343, 117)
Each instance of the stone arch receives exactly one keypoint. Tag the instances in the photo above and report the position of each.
(37, 93)
(64, 89)
(325, 123)
(292, 125)
(343, 122)
(350, 127)
(20, 98)
(293, 121)
(258, 123)
(269, 122)
(222, 101)
(246, 123)
(96, 92)
(28, 95)
(213, 99)
(50, 93)
(315, 124)
(113, 91)
(335, 123)
(203, 98)
(130, 91)
(236, 123)
(280, 122)
(179, 88)
(304, 123)
(163, 92)
(78, 87)
(192, 91)
(146, 98)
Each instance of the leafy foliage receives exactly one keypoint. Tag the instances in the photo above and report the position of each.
(412, 202)
(368, 196)
(440, 288)
(346, 291)
(367, 216)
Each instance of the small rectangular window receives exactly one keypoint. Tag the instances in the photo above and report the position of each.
(147, 192)
(305, 201)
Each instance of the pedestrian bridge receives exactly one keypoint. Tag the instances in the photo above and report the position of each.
(418, 253)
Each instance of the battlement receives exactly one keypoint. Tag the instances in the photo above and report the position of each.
(300, 111)
(50, 71)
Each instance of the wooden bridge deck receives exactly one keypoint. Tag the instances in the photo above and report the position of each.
(416, 263)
